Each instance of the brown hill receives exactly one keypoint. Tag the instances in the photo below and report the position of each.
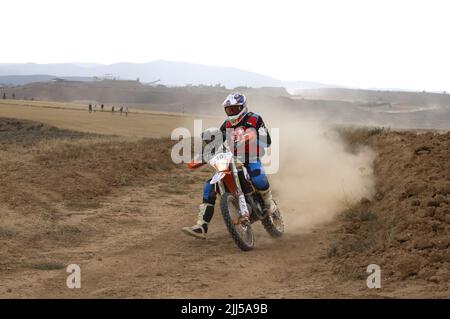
(406, 228)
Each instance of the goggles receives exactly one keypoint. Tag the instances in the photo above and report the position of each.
(233, 109)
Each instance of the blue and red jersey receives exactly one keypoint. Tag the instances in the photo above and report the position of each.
(250, 123)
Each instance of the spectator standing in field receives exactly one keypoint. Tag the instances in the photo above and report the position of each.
(112, 110)
(90, 108)
(121, 110)
(102, 107)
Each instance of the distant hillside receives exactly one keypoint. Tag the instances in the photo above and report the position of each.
(195, 99)
(13, 80)
(168, 73)
(377, 97)
(391, 109)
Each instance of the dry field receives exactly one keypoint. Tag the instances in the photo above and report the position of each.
(73, 116)
(100, 190)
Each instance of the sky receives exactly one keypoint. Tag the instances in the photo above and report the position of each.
(360, 43)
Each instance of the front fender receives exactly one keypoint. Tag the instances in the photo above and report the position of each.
(217, 177)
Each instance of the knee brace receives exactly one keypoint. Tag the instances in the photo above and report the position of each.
(258, 176)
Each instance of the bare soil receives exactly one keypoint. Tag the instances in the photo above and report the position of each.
(406, 228)
(116, 205)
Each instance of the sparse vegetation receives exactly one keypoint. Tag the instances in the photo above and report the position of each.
(83, 204)
(48, 265)
(357, 137)
(357, 220)
(47, 172)
(358, 214)
(7, 231)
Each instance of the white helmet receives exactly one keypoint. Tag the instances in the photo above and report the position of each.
(236, 107)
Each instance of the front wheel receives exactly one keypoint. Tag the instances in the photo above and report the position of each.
(241, 232)
(274, 224)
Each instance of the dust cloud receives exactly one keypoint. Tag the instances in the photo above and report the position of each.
(317, 176)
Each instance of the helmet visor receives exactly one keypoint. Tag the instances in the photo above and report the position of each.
(233, 109)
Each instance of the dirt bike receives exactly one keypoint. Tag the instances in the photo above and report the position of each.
(241, 205)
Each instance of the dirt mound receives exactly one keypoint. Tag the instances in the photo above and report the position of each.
(72, 165)
(406, 228)
(28, 132)
(48, 174)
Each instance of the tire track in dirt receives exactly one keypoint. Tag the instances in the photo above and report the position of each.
(139, 251)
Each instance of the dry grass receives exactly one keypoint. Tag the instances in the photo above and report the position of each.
(357, 220)
(47, 265)
(47, 173)
(8, 228)
(357, 137)
(143, 124)
(78, 172)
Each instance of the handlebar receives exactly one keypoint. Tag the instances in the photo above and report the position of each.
(248, 137)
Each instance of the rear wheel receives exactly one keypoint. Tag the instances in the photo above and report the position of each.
(241, 232)
(274, 224)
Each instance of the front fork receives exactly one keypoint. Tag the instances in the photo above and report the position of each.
(243, 208)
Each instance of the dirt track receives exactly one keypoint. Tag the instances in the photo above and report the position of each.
(143, 254)
(131, 246)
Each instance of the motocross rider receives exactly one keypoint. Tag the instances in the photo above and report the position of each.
(243, 127)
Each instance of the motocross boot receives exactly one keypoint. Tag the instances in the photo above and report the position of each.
(200, 229)
(269, 205)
